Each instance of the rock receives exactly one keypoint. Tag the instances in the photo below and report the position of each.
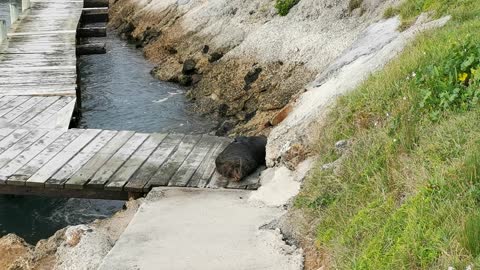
(251, 77)
(170, 49)
(279, 117)
(214, 57)
(225, 127)
(205, 49)
(189, 66)
(185, 80)
(241, 157)
(222, 110)
(342, 146)
(14, 251)
(196, 78)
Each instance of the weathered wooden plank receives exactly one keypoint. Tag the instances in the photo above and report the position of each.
(121, 177)
(5, 100)
(12, 104)
(205, 171)
(150, 167)
(4, 132)
(118, 159)
(193, 161)
(12, 138)
(61, 118)
(21, 108)
(48, 113)
(34, 110)
(22, 175)
(80, 159)
(82, 176)
(218, 181)
(41, 33)
(29, 153)
(66, 193)
(53, 165)
(168, 169)
(12, 152)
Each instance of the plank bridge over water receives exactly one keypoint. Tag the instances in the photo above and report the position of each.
(40, 155)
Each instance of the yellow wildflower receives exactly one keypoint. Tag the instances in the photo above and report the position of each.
(463, 77)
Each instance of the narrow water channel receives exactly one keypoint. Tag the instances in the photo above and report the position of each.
(117, 93)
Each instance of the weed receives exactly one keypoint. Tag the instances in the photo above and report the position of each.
(284, 6)
(407, 194)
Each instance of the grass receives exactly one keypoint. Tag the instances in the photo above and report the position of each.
(284, 6)
(408, 193)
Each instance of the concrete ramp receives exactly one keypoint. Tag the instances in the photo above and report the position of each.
(198, 229)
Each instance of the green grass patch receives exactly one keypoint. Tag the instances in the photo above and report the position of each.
(407, 195)
(284, 6)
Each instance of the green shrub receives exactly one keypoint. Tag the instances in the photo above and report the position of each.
(454, 83)
(284, 6)
(390, 12)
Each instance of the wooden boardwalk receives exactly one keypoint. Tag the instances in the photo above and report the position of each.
(38, 74)
(39, 155)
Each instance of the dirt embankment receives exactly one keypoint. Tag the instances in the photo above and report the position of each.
(242, 61)
(74, 247)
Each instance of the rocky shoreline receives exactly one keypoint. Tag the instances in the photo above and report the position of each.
(242, 62)
(83, 246)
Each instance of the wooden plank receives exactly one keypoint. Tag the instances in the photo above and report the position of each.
(22, 175)
(22, 144)
(4, 132)
(41, 33)
(82, 176)
(66, 193)
(29, 153)
(205, 171)
(193, 161)
(5, 108)
(12, 138)
(118, 159)
(50, 112)
(121, 177)
(21, 108)
(62, 118)
(51, 167)
(5, 100)
(217, 181)
(80, 159)
(158, 157)
(168, 169)
(34, 110)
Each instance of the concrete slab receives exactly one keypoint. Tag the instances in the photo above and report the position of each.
(202, 229)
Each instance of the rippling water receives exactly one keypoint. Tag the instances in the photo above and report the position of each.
(117, 93)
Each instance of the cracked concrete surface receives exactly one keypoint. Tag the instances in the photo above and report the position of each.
(202, 229)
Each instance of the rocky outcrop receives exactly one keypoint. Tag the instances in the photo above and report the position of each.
(375, 47)
(243, 61)
(74, 247)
